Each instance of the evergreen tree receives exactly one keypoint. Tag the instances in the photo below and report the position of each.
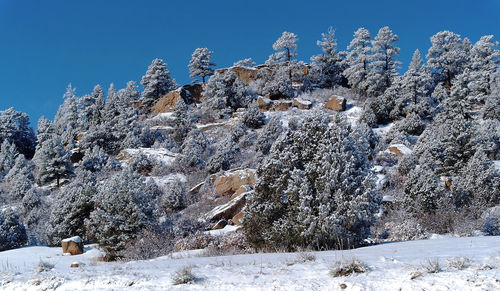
(315, 190)
(447, 57)
(66, 122)
(12, 232)
(484, 60)
(52, 161)
(358, 60)
(15, 128)
(157, 82)
(201, 64)
(383, 63)
(8, 154)
(416, 82)
(329, 64)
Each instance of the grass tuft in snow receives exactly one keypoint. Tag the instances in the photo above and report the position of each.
(44, 266)
(301, 257)
(432, 266)
(346, 268)
(459, 263)
(183, 276)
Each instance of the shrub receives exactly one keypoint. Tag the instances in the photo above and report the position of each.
(432, 266)
(253, 118)
(346, 268)
(459, 263)
(44, 266)
(183, 276)
(12, 232)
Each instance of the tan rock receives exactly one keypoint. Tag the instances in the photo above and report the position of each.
(72, 245)
(264, 103)
(167, 102)
(228, 210)
(75, 265)
(245, 75)
(196, 188)
(238, 218)
(281, 105)
(336, 103)
(302, 104)
(220, 224)
(399, 149)
(232, 180)
(241, 190)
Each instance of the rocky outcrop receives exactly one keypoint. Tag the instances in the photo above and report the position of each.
(281, 105)
(241, 190)
(228, 210)
(232, 180)
(168, 101)
(336, 103)
(302, 104)
(238, 218)
(399, 149)
(72, 245)
(264, 103)
(245, 75)
(196, 91)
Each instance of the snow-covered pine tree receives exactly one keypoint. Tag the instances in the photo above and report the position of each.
(329, 64)
(122, 209)
(417, 81)
(66, 121)
(358, 60)
(269, 135)
(157, 82)
(8, 154)
(422, 191)
(383, 65)
(15, 128)
(201, 64)
(252, 117)
(315, 191)
(447, 57)
(52, 161)
(72, 207)
(484, 60)
(286, 51)
(12, 232)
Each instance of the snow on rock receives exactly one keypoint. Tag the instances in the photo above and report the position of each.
(226, 229)
(72, 245)
(378, 169)
(76, 239)
(231, 180)
(387, 198)
(391, 266)
(301, 103)
(382, 130)
(161, 155)
(353, 114)
(497, 165)
(381, 182)
(163, 182)
(399, 149)
(227, 210)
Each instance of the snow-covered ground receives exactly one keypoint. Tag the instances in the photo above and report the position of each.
(391, 266)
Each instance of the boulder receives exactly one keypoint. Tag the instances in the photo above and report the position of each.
(241, 190)
(238, 218)
(336, 103)
(228, 210)
(302, 104)
(245, 75)
(282, 105)
(264, 103)
(220, 224)
(168, 101)
(399, 149)
(75, 265)
(231, 181)
(72, 245)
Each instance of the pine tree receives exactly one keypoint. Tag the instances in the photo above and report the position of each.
(157, 82)
(447, 57)
(8, 154)
(12, 232)
(201, 64)
(15, 128)
(66, 122)
(484, 60)
(329, 64)
(416, 82)
(358, 60)
(315, 190)
(383, 63)
(52, 161)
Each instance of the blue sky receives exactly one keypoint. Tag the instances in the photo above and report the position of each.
(44, 45)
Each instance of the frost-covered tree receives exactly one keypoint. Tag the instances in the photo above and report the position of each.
(91, 107)
(278, 84)
(249, 63)
(157, 82)
(8, 154)
(45, 129)
(286, 50)
(201, 64)
(173, 198)
(95, 159)
(491, 109)
(484, 60)
(67, 122)
(72, 207)
(328, 65)
(226, 153)
(315, 190)
(253, 118)
(20, 178)
(447, 57)
(422, 191)
(269, 135)
(358, 60)
(192, 152)
(12, 232)
(478, 184)
(15, 128)
(417, 81)
(383, 65)
(52, 161)
(121, 210)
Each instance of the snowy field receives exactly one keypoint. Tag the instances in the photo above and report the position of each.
(391, 266)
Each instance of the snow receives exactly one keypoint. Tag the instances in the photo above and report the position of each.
(76, 239)
(391, 266)
(382, 130)
(226, 229)
(353, 114)
(382, 180)
(497, 165)
(401, 147)
(164, 181)
(161, 155)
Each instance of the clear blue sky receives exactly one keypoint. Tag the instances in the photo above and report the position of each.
(44, 45)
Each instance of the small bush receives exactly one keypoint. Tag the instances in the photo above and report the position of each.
(432, 266)
(44, 266)
(183, 276)
(346, 268)
(305, 257)
(459, 263)
(253, 118)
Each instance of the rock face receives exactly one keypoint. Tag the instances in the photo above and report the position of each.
(231, 181)
(72, 245)
(264, 103)
(281, 105)
(169, 100)
(196, 91)
(220, 225)
(229, 210)
(336, 103)
(399, 149)
(245, 75)
(241, 190)
(238, 218)
(302, 104)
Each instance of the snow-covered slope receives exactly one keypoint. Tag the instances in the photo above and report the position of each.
(392, 266)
